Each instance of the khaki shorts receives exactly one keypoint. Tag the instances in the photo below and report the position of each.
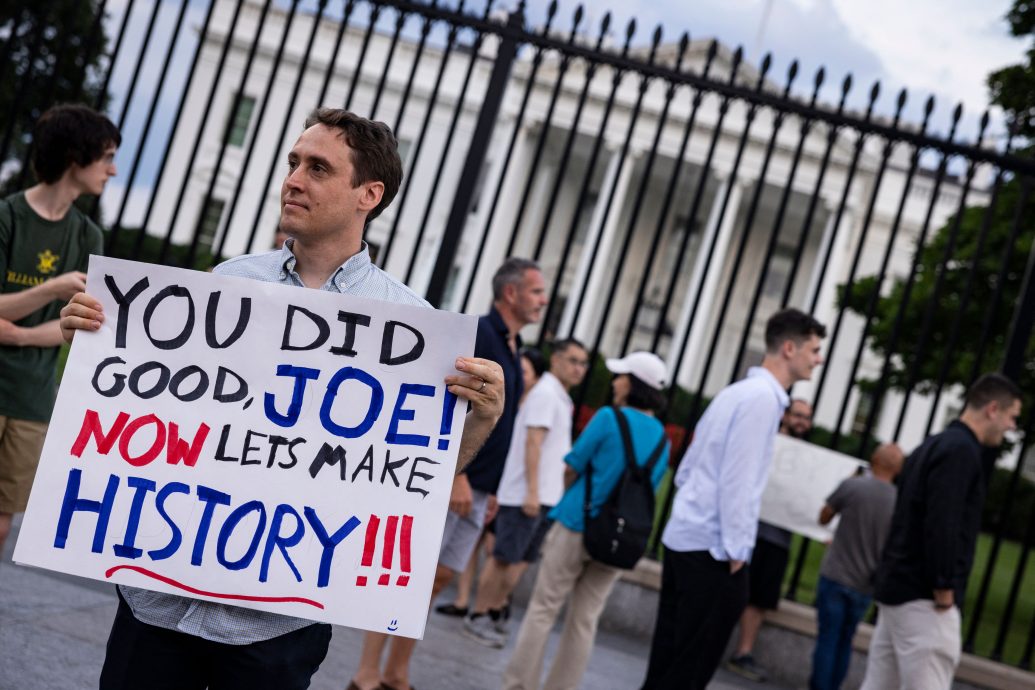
(21, 442)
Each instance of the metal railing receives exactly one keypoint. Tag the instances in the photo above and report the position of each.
(674, 194)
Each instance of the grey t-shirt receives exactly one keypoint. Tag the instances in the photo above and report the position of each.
(865, 505)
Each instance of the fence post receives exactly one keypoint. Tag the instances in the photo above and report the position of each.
(475, 160)
(1023, 318)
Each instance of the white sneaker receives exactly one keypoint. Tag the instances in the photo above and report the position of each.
(480, 629)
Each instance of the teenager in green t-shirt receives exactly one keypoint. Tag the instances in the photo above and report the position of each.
(45, 243)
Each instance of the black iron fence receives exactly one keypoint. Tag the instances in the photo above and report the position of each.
(674, 194)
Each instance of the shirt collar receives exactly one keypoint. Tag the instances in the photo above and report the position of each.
(346, 276)
(778, 390)
(957, 424)
(553, 381)
(496, 319)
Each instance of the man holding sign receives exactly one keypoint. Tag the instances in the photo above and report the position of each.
(342, 172)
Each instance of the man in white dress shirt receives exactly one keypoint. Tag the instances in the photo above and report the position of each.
(711, 532)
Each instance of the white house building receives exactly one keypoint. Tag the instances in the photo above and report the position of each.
(608, 210)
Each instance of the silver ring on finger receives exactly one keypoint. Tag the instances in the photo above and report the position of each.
(483, 385)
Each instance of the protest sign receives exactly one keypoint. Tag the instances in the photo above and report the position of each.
(800, 479)
(253, 444)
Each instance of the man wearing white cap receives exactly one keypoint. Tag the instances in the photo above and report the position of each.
(566, 571)
(719, 484)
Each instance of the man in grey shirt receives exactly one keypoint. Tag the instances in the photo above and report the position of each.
(865, 504)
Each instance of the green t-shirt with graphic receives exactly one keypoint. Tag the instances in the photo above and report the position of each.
(32, 250)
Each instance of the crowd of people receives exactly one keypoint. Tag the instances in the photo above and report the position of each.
(524, 492)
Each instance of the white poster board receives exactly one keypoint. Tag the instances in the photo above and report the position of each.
(242, 442)
(800, 479)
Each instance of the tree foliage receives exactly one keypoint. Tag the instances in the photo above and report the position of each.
(948, 312)
(1013, 89)
(51, 53)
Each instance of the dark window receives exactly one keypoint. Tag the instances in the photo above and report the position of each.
(209, 228)
(242, 117)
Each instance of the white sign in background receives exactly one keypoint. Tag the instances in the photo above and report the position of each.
(800, 479)
(282, 456)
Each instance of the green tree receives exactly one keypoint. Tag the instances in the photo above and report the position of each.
(1013, 88)
(50, 52)
(901, 315)
(949, 313)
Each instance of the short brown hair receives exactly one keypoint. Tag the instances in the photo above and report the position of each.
(66, 134)
(989, 388)
(791, 324)
(374, 151)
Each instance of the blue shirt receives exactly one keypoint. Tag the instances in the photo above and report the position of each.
(721, 478)
(485, 471)
(233, 624)
(600, 444)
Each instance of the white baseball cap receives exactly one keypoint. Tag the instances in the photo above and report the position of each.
(646, 366)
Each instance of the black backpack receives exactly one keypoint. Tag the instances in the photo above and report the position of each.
(618, 535)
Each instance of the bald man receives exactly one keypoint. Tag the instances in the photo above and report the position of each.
(865, 504)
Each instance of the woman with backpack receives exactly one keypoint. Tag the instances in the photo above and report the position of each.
(616, 492)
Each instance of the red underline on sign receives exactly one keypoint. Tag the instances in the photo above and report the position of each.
(218, 595)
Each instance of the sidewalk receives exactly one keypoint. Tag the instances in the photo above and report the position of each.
(53, 629)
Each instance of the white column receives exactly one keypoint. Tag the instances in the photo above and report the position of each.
(826, 312)
(722, 232)
(600, 272)
(499, 230)
(817, 268)
(582, 274)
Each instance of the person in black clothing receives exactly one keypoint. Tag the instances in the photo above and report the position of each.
(519, 296)
(923, 572)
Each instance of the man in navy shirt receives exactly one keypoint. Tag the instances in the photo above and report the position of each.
(519, 297)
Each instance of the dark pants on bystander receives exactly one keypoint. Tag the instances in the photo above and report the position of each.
(700, 604)
(838, 612)
(145, 656)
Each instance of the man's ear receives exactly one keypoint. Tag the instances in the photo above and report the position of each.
(789, 348)
(371, 196)
(509, 293)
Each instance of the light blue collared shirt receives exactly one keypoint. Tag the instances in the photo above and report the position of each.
(233, 624)
(721, 478)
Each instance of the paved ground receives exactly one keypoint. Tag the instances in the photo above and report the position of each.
(53, 628)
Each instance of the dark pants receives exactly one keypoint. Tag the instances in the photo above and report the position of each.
(145, 656)
(700, 604)
(838, 611)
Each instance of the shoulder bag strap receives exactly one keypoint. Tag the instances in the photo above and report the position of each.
(630, 459)
(656, 455)
(627, 442)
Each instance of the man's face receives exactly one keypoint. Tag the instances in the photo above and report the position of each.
(527, 299)
(804, 357)
(1002, 419)
(92, 178)
(797, 419)
(317, 199)
(570, 366)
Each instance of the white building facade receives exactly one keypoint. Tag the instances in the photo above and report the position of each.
(610, 216)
